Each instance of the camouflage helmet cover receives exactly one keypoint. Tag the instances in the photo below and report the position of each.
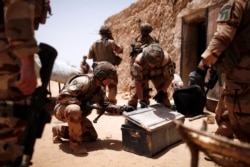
(146, 27)
(104, 30)
(153, 54)
(103, 70)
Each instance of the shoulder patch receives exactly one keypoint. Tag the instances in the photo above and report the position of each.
(225, 12)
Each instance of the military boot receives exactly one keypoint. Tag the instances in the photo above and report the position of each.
(60, 132)
(77, 147)
(224, 129)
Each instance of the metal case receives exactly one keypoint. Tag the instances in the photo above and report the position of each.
(150, 130)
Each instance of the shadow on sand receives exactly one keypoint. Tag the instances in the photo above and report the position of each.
(107, 144)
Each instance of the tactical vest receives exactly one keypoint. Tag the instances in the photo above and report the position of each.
(239, 46)
(90, 92)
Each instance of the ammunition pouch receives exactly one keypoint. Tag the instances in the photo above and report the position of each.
(155, 73)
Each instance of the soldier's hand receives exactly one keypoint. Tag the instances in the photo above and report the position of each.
(28, 81)
(143, 104)
(159, 97)
(85, 107)
(127, 108)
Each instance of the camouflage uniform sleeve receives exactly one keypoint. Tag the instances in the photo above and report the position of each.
(19, 27)
(72, 91)
(136, 69)
(116, 47)
(228, 21)
(168, 67)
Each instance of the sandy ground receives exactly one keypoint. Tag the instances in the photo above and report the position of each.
(108, 150)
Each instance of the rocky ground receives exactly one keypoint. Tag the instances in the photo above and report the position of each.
(108, 150)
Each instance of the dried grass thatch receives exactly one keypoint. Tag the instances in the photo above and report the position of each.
(222, 151)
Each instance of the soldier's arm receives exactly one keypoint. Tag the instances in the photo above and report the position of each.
(225, 32)
(116, 47)
(137, 73)
(28, 80)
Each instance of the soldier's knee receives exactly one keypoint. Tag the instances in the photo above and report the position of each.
(73, 112)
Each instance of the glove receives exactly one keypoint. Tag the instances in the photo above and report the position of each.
(159, 97)
(197, 77)
(127, 108)
(143, 104)
(85, 106)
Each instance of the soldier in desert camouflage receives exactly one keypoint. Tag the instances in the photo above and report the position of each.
(19, 20)
(73, 106)
(229, 52)
(106, 49)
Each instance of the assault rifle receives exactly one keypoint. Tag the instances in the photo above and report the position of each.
(87, 106)
(37, 116)
(134, 51)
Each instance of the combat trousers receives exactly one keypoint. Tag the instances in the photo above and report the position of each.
(133, 101)
(78, 126)
(11, 133)
(237, 103)
(222, 119)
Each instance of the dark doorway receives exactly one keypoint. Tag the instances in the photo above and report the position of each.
(194, 37)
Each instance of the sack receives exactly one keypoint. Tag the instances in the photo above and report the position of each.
(118, 60)
(190, 101)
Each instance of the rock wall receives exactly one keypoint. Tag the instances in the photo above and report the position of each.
(165, 18)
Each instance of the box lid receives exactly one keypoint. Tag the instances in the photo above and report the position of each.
(153, 117)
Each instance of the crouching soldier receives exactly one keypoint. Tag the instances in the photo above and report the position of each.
(73, 106)
(155, 65)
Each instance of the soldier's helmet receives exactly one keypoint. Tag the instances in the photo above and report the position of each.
(153, 54)
(103, 70)
(104, 30)
(146, 27)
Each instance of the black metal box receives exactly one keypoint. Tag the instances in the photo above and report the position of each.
(150, 130)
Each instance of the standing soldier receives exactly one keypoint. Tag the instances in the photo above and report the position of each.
(155, 65)
(73, 106)
(106, 49)
(18, 80)
(84, 65)
(229, 52)
(140, 42)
